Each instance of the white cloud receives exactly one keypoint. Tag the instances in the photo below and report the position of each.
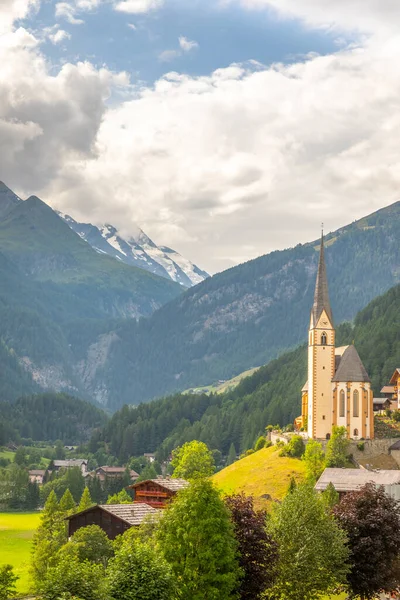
(187, 45)
(132, 26)
(169, 55)
(138, 6)
(59, 36)
(67, 11)
(362, 15)
(11, 10)
(223, 167)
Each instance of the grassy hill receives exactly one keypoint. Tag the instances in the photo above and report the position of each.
(264, 475)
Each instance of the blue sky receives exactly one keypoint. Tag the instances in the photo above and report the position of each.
(137, 42)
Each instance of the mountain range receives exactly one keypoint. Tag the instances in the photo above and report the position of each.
(77, 320)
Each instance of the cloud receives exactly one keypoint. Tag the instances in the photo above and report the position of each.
(361, 15)
(169, 55)
(186, 44)
(11, 10)
(223, 167)
(59, 36)
(132, 26)
(138, 6)
(67, 11)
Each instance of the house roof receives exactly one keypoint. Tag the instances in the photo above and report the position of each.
(117, 470)
(350, 367)
(37, 472)
(380, 400)
(70, 463)
(395, 376)
(132, 514)
(174, 485)
(387, 389)
(395, 446)
(350, 480)
(321, 295)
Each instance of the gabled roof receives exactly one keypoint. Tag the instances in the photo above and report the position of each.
(173, 485)
(70, 463)
(350, 367)
(116, 470)
(395, 446)
(132, 514)
(395, 376)
(350, 480)
(387, 389)
(321, 295)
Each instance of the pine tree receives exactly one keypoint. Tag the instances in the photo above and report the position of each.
(67, 503)
(86, 500)
(231, 455)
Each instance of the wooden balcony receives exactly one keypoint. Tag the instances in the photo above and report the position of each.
(151, 494)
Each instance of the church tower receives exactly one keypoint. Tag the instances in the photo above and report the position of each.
(321, 359)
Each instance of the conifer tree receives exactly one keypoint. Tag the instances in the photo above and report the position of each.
(231, 455)
(86, 500)
(67, 503)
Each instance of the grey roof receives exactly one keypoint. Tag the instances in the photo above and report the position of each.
(380, 400)
(350, 480)
(351, 368)
(321, 296)
(70, 463)
(134, 513)
(395, 446)
(174, 485)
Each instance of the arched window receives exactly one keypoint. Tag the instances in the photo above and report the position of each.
(356, 407)
(328, 436)
(355, 434)
(324, 339)
(342, 411)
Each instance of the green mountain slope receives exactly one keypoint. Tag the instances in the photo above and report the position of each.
(250, 314)
(271, 396)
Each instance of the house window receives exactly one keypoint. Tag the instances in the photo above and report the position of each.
(324, 339)
(342, 410)
(356, 404)
(355, 433)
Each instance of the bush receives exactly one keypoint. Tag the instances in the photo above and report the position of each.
(396, 416)
(388, 413)
(7, 582)
(295, 448)
(361, 446)
(260, 443)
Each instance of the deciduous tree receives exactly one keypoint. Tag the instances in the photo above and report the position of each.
(314, 458)
(312, 548)
(371, 520)
(258, 551)
(337, 448)
(193, 461)
(197, 537)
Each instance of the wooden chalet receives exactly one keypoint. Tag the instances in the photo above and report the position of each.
(157, 492)
(114, 519)
(113, 472)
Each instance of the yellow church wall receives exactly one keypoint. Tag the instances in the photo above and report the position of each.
(362, 422)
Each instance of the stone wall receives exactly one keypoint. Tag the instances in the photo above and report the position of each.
(373, 448)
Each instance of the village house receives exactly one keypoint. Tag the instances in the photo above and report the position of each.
(150, 456)
(351, 480)
(69, 464)
(112, 472)
(157, 492)
(392, 391)
(37, 476)
(113, 519)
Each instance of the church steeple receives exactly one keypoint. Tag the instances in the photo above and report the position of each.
(321, 296)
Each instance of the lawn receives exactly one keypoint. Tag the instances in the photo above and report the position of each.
(16, 532)
(264, 475)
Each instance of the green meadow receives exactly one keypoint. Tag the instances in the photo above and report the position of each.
(16, 533)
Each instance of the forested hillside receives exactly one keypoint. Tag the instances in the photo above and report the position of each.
(246, 316)
(49, 417)
(271, 396)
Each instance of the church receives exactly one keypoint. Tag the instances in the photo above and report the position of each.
(338, 390)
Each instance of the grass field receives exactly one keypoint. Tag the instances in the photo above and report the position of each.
(16, 532)
(264, 475)
(220, 388)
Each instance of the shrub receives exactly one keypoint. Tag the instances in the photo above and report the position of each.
(361, 446)
(295, 448)
(396, 416)
(260, 443)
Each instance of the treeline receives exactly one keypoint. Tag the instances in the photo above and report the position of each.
(270, 396)
(50, 417)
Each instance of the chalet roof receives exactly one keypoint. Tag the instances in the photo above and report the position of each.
(387, 389)
(70, 463)
(133, 514)
(381, 401)
(115, 470)
(321, 295)
(395, 377)
(174, 485)
(395, 446)
(350, 367)
(350, 480)
(37, 472)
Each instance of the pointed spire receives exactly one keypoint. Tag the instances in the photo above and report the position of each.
(321, 296)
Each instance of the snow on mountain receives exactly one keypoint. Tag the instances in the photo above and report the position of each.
(139, 251)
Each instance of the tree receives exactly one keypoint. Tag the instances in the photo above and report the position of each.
(121, 498)
(231, 455)
(70, 576)
(21, 456)
(197, 537)
(260, 443)
(7, 582)
(314, 459)
(337, 447)
(67, 503)
(95, 489)
(312, 548)
(330, 497)
(85, 501)
(192, 461)
(371, 520)
(139, 572)
(292, 485)
(294, 448)
(90, 543)
(258, 551)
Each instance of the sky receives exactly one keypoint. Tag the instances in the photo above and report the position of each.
(226, 129)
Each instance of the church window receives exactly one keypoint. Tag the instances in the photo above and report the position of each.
(356, 404)
(324, 339)
(355, 433)
(342, 404)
